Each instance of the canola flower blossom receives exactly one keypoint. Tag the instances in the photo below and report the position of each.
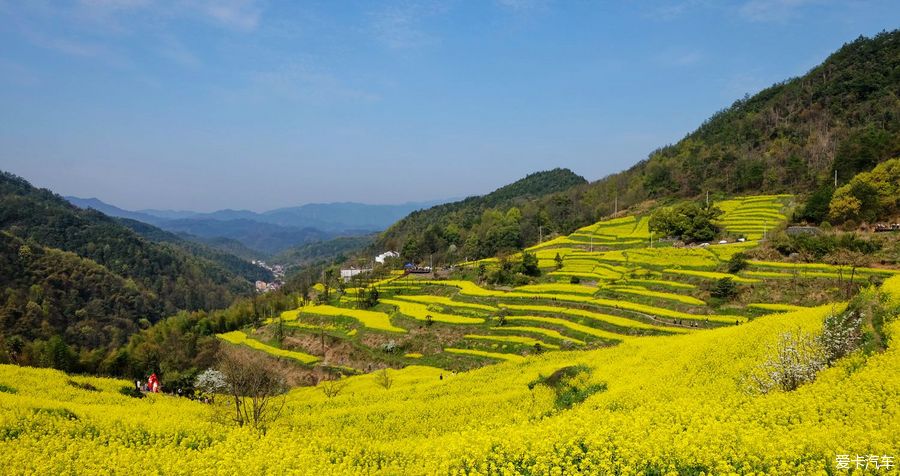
(671, 405)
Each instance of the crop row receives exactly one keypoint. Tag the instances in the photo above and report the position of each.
(240, 338)
(422, 313)
(370, 319)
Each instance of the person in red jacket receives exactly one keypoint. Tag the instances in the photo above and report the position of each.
(153, 383)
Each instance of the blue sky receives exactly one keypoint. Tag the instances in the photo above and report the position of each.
(208, 104)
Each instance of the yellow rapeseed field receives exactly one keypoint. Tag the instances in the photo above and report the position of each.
(674, 404)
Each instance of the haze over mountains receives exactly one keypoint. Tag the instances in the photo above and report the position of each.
(269, 232)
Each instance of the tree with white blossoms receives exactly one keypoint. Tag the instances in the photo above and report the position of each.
(842, 333)
(794, 360)
(211, 382)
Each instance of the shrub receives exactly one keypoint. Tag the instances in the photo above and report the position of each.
(687, 221)
(211, 381)
(256, 388)
(817, 246)
(331, 388)
(130, 391)
(796, 359)
(725, 289)
(530, 264)
(389, 347)
(575, 280)
(841, 334)
(82, 385)
(571, 385)
(384, 379)
(737, 263)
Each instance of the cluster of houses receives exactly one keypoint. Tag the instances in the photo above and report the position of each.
(883, 227)
(264, 287)
(276, 270)
(348, 273)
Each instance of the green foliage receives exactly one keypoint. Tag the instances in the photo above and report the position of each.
(688, 221)
(180, 281)
(815, 209)
(52, 293)
(515, 273)
(178, 347)
(7, 389)
(336, 248)
(725, 288)
(500, 222)
(737, 263)
(78, 283)
(864, 148)
(530, 264)
(842, 115)
(370, 298)
(82, 385)
(130, 391)
(869, 196)
(571, 385)
(233, 264)
(816, 247)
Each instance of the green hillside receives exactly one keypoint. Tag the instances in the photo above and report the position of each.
(842, 116)
(87, 282)
(478, 226)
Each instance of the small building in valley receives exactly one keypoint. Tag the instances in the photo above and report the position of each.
(352, 271)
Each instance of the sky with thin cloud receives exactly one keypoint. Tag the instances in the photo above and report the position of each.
(259, 104)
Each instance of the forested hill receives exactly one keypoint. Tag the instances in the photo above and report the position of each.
(480, 222)
(80, 279)
(230, 261)
(181, 281)
(843, 116)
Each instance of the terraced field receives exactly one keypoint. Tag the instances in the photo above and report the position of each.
(753, 216)
(240, 338)
(600, 286)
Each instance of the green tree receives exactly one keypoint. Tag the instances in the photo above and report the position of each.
(737, 263)
(530, 264)
(815, 209)
(688, 221)
(725, 289)
(869, 195)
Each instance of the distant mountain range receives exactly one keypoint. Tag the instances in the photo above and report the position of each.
(270, 232)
